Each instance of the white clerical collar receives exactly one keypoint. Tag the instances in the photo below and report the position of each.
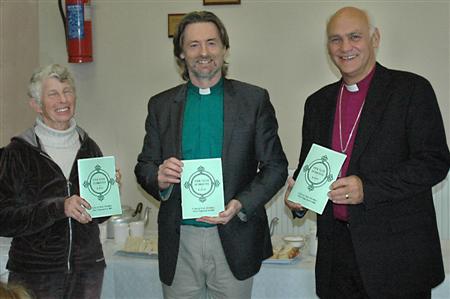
(351, 87)
(204, 91)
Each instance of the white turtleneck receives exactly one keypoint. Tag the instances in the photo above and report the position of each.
(61, 145)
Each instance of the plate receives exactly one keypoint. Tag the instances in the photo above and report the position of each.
(282, 261)
(295, 241)
(145, 255)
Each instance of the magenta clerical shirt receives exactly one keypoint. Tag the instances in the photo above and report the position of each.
(351, 104)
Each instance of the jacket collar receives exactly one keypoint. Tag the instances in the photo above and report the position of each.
(376, 101)
(230, 109)
(29, 137)
(328, 112)
(176, 116)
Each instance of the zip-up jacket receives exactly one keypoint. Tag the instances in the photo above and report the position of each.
(33, 189)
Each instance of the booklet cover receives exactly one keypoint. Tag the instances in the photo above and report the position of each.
(202, 188)
(98, 186)
(320, 169)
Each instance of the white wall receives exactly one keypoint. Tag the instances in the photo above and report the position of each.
(18, 56)
(279, 45)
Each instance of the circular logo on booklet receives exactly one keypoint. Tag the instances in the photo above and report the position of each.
(202, 184)
(99, 182)
(317, 173)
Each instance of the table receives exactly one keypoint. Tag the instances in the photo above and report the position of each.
(137, 278)
(4, 249)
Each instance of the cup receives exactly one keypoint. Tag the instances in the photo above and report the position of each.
(102, 229)
(4, 276)
(121, 233)
(137, 228)
(295, 241)
(313, 246)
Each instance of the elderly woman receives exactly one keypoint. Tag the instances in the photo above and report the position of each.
(56, 250)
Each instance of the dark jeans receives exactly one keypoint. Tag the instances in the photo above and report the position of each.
(76, 285)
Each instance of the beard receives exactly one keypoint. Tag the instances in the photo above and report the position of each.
(203, 75)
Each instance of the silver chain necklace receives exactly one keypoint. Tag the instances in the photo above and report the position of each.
(344, 149)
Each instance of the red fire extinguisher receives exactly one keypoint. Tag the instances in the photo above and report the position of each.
(78, 30)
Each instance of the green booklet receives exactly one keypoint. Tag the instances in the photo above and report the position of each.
(98, 186)
(320, 169)
(202, 188)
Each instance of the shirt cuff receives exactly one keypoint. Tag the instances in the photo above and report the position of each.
(242, 216)
(299, 214)
(165, 194)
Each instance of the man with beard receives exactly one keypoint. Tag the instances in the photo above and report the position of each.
(377, 237)
(211, 117)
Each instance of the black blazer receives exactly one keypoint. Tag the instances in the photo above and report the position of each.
(251, 143)
(400, 152)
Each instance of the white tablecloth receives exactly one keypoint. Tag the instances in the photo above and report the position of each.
(4, 249)
(137, 278)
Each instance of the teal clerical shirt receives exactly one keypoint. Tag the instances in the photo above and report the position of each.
(202, 135)
(203, 123)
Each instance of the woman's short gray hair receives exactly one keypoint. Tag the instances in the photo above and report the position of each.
(50, 71)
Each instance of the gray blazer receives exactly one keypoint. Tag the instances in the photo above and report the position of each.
(253, 163)
(400, 152)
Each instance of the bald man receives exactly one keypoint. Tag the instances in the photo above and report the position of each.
(378, 236)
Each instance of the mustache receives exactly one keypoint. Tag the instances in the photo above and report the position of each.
(204, 57)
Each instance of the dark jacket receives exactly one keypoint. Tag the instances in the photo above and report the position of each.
(400, 152)
(32, 194)
(254, 168)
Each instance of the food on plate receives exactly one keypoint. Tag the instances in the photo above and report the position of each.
(139, 244)
(285, 252)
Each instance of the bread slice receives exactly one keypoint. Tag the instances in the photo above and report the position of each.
(285, 252)
(139, 244)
